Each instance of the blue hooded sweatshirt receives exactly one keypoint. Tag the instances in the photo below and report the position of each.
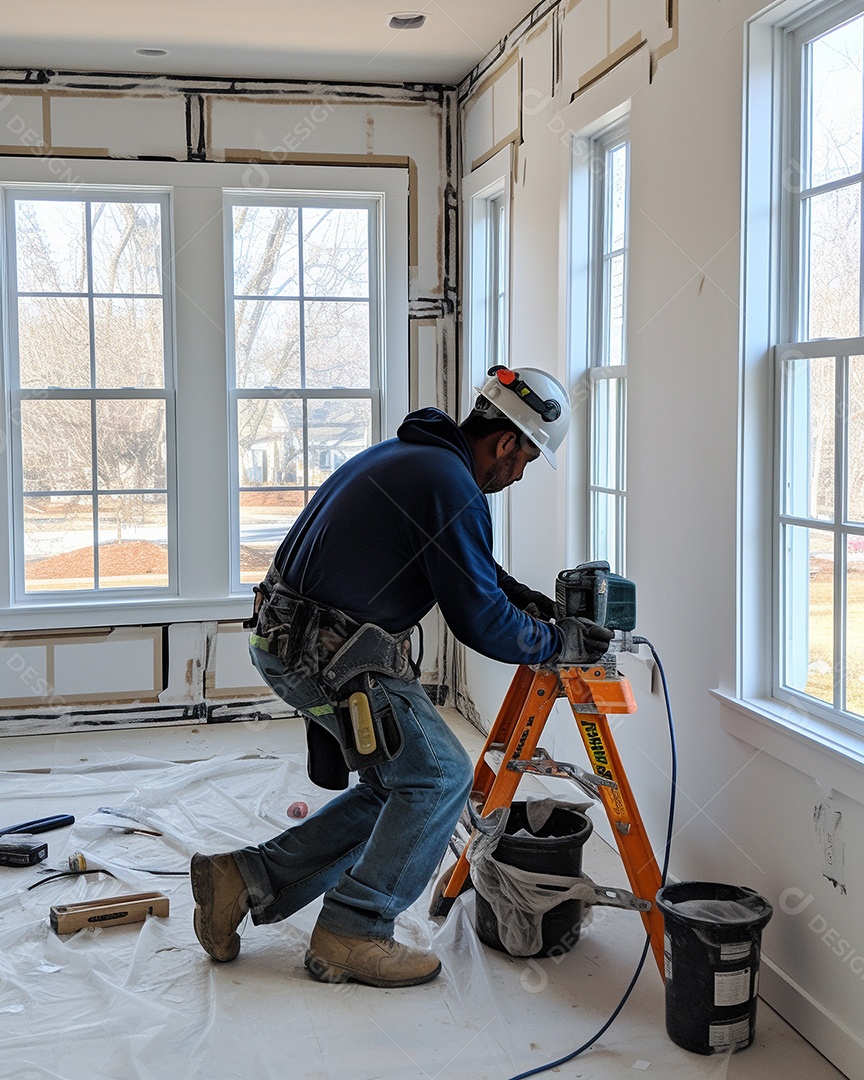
(403, 526)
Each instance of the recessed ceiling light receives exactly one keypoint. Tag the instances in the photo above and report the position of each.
(407, 20)
(151, 52)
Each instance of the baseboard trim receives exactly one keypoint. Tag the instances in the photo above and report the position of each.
(831, 1037)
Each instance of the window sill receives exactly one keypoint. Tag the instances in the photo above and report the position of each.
(831, 755)
(127, 612)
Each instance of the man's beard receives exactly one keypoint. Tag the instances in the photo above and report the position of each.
(500, 475)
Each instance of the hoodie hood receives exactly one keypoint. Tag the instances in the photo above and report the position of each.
(432, 427)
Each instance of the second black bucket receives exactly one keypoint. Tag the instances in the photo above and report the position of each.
(713, 937)
(554, 849)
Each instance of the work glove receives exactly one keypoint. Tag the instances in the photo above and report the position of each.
(584, 642)
(533, 603)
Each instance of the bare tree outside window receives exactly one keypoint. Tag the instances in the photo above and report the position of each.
(303, 374)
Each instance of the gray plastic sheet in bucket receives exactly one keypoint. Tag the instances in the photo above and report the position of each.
(712, 948)
(554, 849)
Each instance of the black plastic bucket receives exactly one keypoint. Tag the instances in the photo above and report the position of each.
(555, 849)
(713, 937)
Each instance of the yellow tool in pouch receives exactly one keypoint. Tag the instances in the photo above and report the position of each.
(361, 722)
(365, 724)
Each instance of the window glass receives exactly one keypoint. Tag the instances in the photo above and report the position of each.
(810, 431)
(89, 375)
(608, 259)
(302, 313)
(809, 615)
(836, 61)
(831, 239)
(821, 451)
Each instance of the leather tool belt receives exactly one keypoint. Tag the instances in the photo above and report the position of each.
(343, 656)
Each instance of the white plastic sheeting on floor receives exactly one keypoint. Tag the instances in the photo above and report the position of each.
(143, 1002)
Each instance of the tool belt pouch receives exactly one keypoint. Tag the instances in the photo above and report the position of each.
(369, 730)
(370, 649)
(290, 625)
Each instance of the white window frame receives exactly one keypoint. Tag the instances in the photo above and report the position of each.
(790, 303)
(203, 477)
(16, 394)
(486, 206)
(600, 369)
(791, 727)
(602, 105)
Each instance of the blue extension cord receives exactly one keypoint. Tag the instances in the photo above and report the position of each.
(666, 853)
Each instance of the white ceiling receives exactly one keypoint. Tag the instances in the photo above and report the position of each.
(337, 40)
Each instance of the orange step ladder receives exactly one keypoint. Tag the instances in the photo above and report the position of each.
(594, 693)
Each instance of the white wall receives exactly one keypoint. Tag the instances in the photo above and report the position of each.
(745, 813)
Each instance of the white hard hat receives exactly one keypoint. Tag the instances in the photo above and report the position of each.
(535, 402)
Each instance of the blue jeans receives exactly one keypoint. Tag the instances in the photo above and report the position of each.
(372, 849)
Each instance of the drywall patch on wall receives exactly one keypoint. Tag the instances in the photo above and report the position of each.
(645, 17)
(425, 363)
(477, 136)
(23, 671)
(230, 674)
(586, 40)
(493, 116)
(196, 128)
(506, 106)
(126, 664)
(53, 670)
(187, 652)
(537, 58)
(628, 49)
(24, 122)
(828, 824)
(286, 126)
(130, 125)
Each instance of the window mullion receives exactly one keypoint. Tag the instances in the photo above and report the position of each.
(91, 313)
(93, 495)
(798, 134)
(621, 479)
(861, 254)
(302, 285)
(841, 426)
(305, 447)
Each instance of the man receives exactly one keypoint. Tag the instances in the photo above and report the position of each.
(396, 529)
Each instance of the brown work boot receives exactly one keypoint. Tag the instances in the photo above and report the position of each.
(220, 904)
(384, 962)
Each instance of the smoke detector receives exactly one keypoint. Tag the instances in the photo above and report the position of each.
(151, 52)
(406, 20)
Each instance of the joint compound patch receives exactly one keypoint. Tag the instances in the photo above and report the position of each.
(828, 824)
